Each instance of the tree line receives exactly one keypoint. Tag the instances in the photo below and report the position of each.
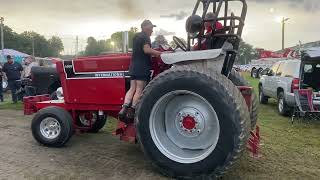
(114, 43)
(28, 40)
(24, 42)
(94, 47)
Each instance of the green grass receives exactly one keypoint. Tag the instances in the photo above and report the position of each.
(289, 151)
(8, 104)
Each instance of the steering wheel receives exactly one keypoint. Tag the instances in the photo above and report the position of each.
(180, 44)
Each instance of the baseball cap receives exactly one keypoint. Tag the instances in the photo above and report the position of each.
(147, 23)
(9, 57)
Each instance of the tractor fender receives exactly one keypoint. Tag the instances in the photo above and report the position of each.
(173, 58)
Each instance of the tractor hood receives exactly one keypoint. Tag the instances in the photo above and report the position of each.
(172, 58)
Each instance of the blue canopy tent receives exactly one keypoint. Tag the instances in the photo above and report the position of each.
(16, 55)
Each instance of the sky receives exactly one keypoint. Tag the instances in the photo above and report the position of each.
(100, 18)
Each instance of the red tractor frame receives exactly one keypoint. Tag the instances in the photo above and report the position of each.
(195, 116)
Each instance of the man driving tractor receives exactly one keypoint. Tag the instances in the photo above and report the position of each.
(209, 30)
(139, 69)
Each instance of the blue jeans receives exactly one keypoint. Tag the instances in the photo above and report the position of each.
(14, 86)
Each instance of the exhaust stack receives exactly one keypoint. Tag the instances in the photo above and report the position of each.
(125, 42)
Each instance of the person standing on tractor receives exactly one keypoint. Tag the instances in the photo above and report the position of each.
(13, 72)
(139, 71)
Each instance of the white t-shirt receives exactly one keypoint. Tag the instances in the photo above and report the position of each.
(27, 69)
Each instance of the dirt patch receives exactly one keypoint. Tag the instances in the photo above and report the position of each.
(86, 156)
(288, 152)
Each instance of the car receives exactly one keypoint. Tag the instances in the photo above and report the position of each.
(279, 83)
(284, 78)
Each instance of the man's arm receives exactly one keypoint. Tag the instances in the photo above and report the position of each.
(4, 68)
(148, 50)
(4, 71)
(20, 68)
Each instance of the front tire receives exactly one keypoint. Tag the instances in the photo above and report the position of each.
(170, 123)
(262, 98)
(283, 108)
(52, 126)
(252, 72)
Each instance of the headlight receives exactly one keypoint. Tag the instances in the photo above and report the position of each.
(60, 93)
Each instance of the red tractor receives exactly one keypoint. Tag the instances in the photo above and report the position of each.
(195, 116)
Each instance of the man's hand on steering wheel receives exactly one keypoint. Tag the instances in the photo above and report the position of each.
(180, 44)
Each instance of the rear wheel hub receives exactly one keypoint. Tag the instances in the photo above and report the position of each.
(188, 123)
(184, 126)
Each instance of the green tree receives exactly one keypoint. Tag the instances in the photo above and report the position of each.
(41, 45)
(25, 42)
(95, 47)
(10, 38)
(116, 38)
(55, 45)
(246, 53)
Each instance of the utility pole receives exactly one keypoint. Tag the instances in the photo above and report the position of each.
(2, 35)
(283, 22)
(77, 45)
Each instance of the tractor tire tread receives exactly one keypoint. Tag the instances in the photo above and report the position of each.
(238, 80)
(242, 127)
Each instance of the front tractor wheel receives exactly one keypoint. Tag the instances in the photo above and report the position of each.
(192, 125)
(52, 126)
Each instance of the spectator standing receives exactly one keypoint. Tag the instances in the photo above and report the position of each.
(29, 63)
(13, 72)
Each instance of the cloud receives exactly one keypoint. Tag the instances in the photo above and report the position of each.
(164, 33)
(307, 5)
(178, 16)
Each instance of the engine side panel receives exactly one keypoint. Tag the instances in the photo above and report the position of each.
(98, 80)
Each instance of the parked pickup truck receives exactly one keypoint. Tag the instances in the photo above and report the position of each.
(280, 83)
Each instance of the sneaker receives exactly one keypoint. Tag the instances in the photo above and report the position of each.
(123, 112)
(130, 115)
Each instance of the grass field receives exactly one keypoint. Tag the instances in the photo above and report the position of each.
(8, 104)
(289, 151)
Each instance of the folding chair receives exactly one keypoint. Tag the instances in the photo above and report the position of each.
(304, 105)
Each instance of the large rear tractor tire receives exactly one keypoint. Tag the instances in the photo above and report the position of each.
(52, 126)
(192, 125)
(238, 80)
